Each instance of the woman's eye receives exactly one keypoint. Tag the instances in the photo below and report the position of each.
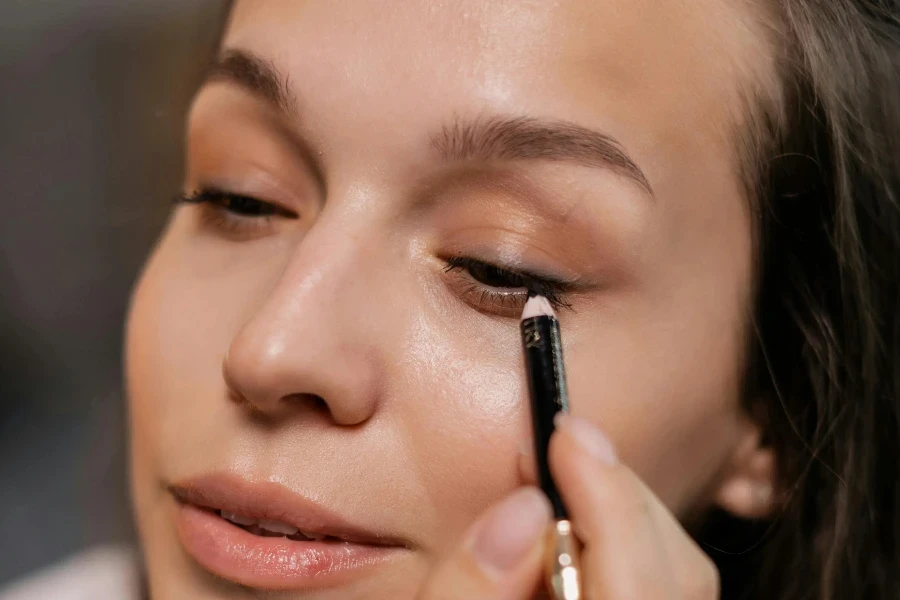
(494, 276)
(235, 214)
(236, 203)
(243, 205)
(498, 290)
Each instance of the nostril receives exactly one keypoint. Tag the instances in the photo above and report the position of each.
(311, 400)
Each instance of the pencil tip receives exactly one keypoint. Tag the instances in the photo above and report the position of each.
(537, 306)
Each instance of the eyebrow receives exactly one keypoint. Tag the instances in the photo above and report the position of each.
(493, 138)
(529, 138)
(256, 75)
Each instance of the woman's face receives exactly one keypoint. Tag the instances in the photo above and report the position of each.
(350, 353)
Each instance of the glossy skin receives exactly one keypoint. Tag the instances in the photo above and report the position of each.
(421, 405)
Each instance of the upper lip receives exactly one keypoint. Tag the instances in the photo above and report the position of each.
(274, 502)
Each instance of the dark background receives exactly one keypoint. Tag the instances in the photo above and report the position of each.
(92, 99)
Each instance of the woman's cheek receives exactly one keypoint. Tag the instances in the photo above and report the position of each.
(665, 389)
(464, 408)
(179, 328)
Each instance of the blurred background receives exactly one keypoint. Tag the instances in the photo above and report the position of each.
(92, 100)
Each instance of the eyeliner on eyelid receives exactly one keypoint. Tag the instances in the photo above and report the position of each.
(240, 204)
(498, 284)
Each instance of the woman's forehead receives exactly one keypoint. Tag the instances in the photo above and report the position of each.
(667, 78)
(671, 43)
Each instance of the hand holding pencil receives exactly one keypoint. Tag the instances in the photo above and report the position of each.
(633, 546)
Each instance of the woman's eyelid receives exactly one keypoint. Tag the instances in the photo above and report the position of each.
(536, 256)
(255, 182)
(499, 299)
(230, 201)
(518, 269)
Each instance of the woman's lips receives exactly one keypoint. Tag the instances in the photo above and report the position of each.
(337, 553)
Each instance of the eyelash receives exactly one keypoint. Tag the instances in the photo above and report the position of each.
(235, 214)
(481, 282)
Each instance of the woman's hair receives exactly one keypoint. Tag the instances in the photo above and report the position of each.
(825, 374)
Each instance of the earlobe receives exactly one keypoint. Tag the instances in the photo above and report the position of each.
(747, 490)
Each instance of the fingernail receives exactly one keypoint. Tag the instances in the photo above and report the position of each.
(589, 437)
(510, 529)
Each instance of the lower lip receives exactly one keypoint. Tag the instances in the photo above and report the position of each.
(272, 563)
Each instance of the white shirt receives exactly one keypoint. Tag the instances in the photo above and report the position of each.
(103, 573)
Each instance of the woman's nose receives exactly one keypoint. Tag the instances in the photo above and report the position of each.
(310, 344)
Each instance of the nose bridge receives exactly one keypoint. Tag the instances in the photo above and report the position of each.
(311, 337)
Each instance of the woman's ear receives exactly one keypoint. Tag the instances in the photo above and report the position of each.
(747, 489)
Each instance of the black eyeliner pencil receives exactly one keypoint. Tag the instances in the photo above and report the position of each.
(546, 386)
(547, 389)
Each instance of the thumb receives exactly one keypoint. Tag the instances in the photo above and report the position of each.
(499, 557)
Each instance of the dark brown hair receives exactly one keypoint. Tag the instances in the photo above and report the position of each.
(825, 376)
